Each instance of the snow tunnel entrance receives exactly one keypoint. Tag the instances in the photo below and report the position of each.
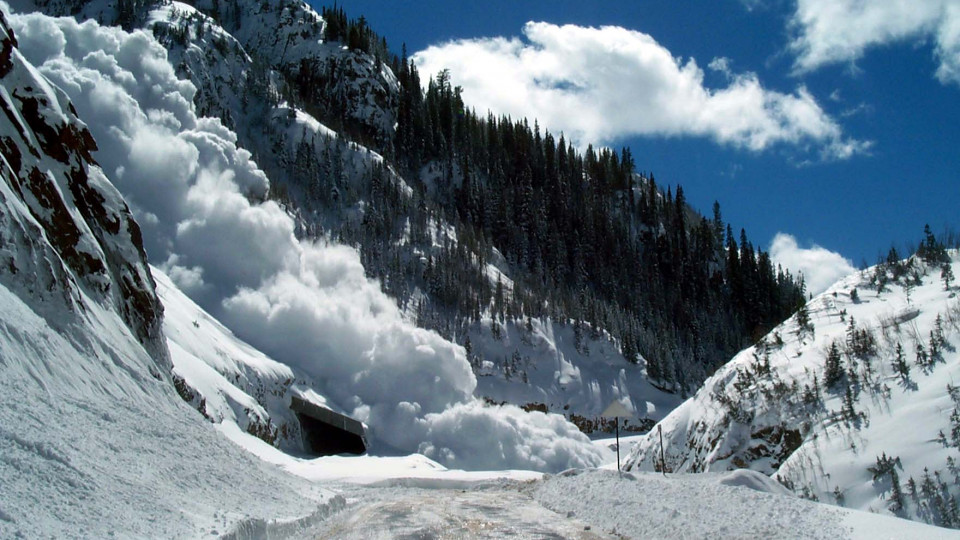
(326, 433)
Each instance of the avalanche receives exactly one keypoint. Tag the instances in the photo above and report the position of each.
(308, 305)
(89, 421)
(154, 401)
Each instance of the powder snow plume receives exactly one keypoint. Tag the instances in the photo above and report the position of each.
(202, 205)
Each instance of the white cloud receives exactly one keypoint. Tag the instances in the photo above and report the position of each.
(600, 84)
(831, 31)
(310, 305)
(820, 267)
(721, 64)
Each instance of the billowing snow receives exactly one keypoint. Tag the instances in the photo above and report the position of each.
(95, 442)
(308, 305)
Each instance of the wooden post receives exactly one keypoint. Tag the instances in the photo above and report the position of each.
(663, 461)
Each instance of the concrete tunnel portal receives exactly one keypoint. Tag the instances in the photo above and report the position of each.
(327, 433)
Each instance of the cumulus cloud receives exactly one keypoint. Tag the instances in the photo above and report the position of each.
(831, 31)
(199, 198)
(820, 267)
(600, 84)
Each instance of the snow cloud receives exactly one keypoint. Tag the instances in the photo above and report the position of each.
(200, 202)
(600, 84)
(820, 267)
(831, 31)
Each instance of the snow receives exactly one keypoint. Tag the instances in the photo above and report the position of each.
(307, 305)
(90, 425)
(831, 453)
(498, 511)
(566, 377)
(85, 430)
(648, 505)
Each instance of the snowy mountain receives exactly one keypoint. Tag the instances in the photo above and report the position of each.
(853, 401)
(245, 60)
(341, 341)
(166, 391)
(89, 420)
(67, 231)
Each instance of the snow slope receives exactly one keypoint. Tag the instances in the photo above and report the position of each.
(741, 504)
(306, 304)
(239, 62)
(86, 430)
(89, 422)
(543, 365)
(822, 440)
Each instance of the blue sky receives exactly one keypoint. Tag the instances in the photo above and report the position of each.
(848, 115)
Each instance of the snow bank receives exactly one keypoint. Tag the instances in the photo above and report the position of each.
(708, 506)
(753, 480)
(197, 196)
(92, 446)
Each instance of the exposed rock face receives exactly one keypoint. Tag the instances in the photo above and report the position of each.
(66, 232)
(239, 53)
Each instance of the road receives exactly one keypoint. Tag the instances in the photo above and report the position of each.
(503, 510)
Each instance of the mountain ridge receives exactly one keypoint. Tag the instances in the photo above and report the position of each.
(412, 204)
(848, 402)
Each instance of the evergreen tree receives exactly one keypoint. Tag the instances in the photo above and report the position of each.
(833, 372)
(896, 495)
(923, 360)
(938, 338)
(849, 411)
(804, 324)
(931, 250)
(913, 491)
(900, 365)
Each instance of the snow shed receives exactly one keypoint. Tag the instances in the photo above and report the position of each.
(326, 433)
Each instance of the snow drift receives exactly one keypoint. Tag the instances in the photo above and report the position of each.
(309, 305)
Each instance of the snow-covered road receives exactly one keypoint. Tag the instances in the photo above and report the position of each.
(601, 504)
(498, 511)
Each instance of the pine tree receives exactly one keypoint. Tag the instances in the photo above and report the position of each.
(953, 511)
(811, 394)
(913, 491)
(849, 412)
(937, 337)
(922, 359)
(838, 495)
(935, 349)
(946, 274)
(900, 364)
(468, 348)
(896, 495)
(928, 490)
(932, 250)
(805, 326)
(832, 370)
(954, 470)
